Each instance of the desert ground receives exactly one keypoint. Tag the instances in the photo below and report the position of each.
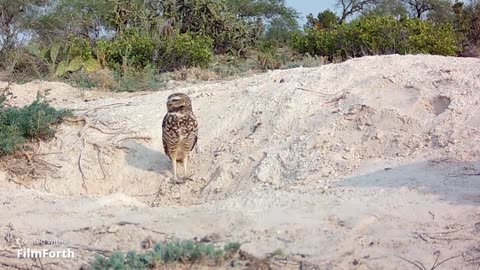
(366, 164)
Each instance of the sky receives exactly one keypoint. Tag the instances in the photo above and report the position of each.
(311, 6)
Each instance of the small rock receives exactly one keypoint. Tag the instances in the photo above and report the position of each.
(379, 135)
(85, 267)
(112, 229)
(477, 227)
(213, 237)
(9, 237)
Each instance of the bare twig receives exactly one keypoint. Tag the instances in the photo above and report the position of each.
(313, 91)
(80, 157)
(99, 156)
(46, 154)
(147, 138)
(335, 100)
(419, 235)
(18, 183)
(16, 266)
(108, 106)
(417, 264)
(465, 174)
(436, 264)
(51, 164)
(105, 132)
(389, 79)
(39, 147)
(104, 252)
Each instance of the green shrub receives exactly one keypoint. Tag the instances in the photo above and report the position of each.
(374, 35)
(129, 49)
(82, 79)
(186, 50)
(428, 38)
(165, 253)
(30, 122)
(79, 47)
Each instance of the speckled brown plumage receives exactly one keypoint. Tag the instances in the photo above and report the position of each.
(179, 130)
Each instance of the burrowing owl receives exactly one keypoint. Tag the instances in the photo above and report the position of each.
(179, 131)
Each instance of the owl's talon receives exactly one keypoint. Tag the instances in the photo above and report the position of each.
(177, 182)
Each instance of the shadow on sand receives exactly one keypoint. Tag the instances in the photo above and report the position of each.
(455, 182)
(147, 159)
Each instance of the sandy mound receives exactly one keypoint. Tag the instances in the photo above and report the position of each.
(347, 163)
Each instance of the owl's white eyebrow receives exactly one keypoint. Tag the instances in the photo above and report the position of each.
(174, 98)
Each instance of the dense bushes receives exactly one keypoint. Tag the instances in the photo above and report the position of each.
(139, 51)
(130, 49)
(186, 50)
(378, 35)
(132, 61)
(34, 121)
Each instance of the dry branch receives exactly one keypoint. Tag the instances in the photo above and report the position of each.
(15, 266)
(99, 156)
(80, 157)
(108, 106)
(335, 100)
(313, 91)
(104, 252)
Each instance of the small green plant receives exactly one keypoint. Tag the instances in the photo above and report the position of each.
(165, 253)
(35, 121)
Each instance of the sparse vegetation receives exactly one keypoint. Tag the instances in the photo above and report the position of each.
(167, 253)
(35, 121)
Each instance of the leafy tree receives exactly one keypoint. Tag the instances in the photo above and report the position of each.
(272, 17)
(265, 9)
(324, 20)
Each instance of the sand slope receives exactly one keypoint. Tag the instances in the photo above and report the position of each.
(350, 164)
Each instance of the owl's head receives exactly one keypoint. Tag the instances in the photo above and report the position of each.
(178, 102)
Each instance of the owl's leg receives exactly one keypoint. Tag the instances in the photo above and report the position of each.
(174, 165)
(185, 160)
(185, 169)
